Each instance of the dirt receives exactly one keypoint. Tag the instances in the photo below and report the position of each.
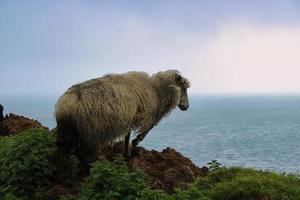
(14, 124)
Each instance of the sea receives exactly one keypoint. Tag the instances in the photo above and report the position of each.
(261, 132)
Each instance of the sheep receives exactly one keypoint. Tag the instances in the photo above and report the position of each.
(96, 112)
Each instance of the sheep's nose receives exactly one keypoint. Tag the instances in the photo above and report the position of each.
(183, 107)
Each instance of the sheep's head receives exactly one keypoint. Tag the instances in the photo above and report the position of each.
(183, 84)
(175, 89)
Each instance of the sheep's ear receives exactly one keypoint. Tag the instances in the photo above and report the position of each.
(173, 96)
(178, 79)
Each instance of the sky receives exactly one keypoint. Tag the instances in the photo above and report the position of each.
(223, 47)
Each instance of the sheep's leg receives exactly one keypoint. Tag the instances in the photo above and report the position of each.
(126, 146)
(140, 137)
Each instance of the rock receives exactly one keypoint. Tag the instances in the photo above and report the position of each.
(176, 177)
(167, 169)
(204, 170)
(14, 124)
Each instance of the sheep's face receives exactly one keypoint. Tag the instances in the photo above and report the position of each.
(183, 84)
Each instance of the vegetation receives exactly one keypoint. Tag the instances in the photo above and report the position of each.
(240, 183)
(28, 170)
(26, 164)
(112, 180)
(214, 165)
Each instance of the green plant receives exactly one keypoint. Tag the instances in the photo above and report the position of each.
(110, 180)
(214, 165)
(190, 193)
(26, 163)
(150, 194)
(8, 195)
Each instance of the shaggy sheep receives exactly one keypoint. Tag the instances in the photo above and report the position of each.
(98, 111)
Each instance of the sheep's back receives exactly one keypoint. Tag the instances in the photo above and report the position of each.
(107, 108)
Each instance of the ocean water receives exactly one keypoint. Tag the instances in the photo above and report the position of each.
(262, 132)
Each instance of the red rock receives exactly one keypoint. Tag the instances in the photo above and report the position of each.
(14, 124)
(167, 169)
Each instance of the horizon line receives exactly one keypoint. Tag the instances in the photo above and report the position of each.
(191, 94)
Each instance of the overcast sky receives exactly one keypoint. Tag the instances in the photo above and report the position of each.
(223, 47)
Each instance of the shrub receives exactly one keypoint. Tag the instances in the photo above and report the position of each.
(111, 180)
(149, 194)
(190, 193)
(26, 163)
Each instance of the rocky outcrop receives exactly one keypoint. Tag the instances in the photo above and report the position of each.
(167, 169)
(13, 124)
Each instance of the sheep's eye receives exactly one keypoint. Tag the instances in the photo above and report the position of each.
(178, 79)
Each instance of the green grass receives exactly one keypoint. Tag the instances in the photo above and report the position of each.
(239, 183)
